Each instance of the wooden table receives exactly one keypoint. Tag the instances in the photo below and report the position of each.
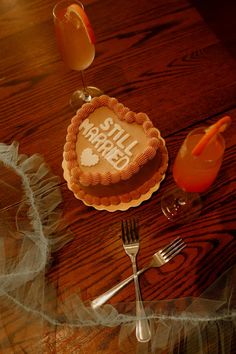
(174, 60)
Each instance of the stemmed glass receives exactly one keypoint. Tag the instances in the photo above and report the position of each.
(193, 175)
(75, 39)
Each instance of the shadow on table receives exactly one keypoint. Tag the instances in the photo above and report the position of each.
(220, 17)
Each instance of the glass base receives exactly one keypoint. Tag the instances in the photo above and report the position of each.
(79, 97)
(180, 206)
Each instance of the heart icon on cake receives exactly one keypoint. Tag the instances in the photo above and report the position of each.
(88, 158)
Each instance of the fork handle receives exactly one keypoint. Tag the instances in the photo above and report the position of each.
(101, 299)
(143, 333)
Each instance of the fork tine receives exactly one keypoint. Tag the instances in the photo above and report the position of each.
(135, 234)
(175, 247)
(130, 230)
(125, 232)
(168, 258)
(171, 245)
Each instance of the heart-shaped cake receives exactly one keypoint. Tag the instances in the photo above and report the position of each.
(112, 155)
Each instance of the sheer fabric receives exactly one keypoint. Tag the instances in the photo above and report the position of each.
(34, 320)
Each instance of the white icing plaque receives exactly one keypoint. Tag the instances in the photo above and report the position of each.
(110, 141)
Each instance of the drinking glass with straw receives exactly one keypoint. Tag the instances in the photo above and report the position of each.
(195, 168)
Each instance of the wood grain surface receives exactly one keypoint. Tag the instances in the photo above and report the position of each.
(175, 61)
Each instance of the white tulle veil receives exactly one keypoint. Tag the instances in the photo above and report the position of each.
(34, 320)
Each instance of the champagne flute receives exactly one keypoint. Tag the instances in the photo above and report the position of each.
(76, 43)
(194, 173)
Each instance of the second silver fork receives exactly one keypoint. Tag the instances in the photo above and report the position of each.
(130, 238)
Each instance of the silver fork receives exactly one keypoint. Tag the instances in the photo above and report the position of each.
(159, 258)
(130, 238)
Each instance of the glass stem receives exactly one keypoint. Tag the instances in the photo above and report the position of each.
(87, 96)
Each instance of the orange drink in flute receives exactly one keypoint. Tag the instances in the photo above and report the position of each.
(195, 168)
(76, 43)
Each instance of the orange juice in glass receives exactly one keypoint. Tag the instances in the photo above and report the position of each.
(193, 175)
(76, 43)
(197, 173)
